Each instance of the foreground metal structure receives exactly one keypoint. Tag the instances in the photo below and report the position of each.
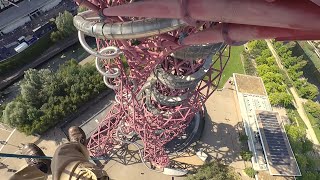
(165, 58)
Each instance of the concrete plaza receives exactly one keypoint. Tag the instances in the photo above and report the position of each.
(219, 140)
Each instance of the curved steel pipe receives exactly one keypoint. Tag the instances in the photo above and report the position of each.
(129, 96)
(183, 82)
(104, 72)
(86, 47)
(124, 30)
(108, 84)
(168, 100)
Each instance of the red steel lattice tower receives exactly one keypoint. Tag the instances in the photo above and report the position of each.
(163, 68)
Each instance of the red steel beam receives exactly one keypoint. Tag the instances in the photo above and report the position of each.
(302, 14)
(238, 32)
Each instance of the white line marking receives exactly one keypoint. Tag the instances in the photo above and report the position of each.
(7, 139)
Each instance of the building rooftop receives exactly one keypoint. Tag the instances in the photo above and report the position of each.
(276, 146)
(12, 14)
(266, 136)
(250, 84)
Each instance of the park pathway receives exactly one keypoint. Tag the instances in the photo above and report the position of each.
(299, 105)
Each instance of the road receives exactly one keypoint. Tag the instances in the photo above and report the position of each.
(299, 105)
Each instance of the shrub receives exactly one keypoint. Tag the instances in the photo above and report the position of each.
(313, 108)
(213, 171)
(246, 155)
(248, 64)
(250, 172)
(243, 138)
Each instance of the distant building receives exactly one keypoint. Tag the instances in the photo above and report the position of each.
(25, 12)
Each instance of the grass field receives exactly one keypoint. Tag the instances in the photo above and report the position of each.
(234, 65)
(314, 124)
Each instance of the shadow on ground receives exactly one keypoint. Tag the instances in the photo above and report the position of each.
(219, 141)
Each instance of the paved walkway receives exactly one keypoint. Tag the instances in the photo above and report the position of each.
(89, 59)
(222, 128)
(299, 105)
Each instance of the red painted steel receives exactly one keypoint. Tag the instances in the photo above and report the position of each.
(136, 110)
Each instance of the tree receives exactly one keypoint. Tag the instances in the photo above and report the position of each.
(270, 60)
(300, 82)
(56, 36)
(272, 87)
(213, 171)
(255, 47)
(313, 108)
(15, 114)
(302, 161)
(307, 146)
(293, 61)
(310, 176)
(297, 137)
(309, 91)
(47, 98)
(272, 77)
(243, 138)
(64, 23)
(294, 73)
(264, 68)
(281, 99)
(32, 85)
(246, 155)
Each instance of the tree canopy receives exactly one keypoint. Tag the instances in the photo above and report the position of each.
(314, 109)
(294, 65)
(46, 97)
(273, 78)
(276, 81)
(301, 147)
(65, 27)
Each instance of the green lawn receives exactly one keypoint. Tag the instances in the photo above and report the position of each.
(314, 124)
(234, 65)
